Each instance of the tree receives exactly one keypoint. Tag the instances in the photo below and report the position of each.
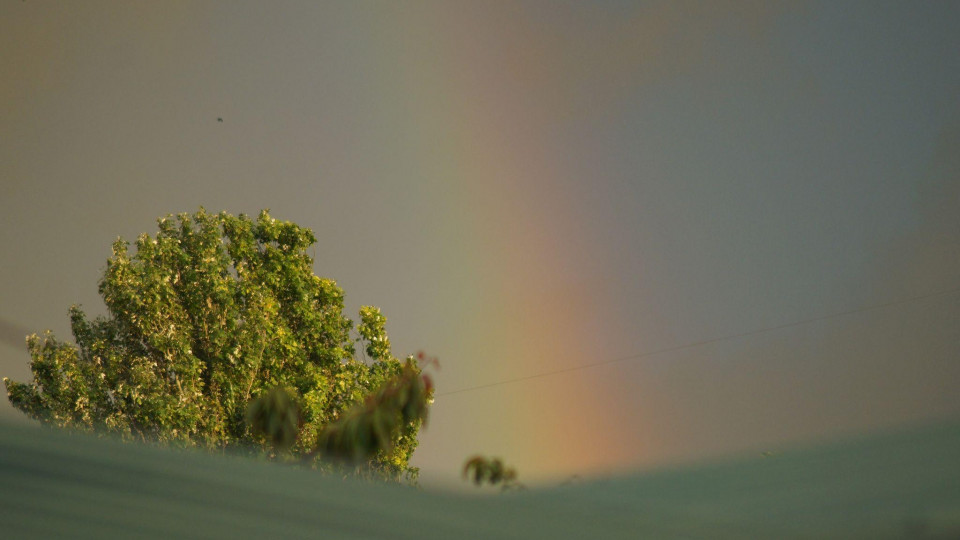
(492, 471)
(213, 324)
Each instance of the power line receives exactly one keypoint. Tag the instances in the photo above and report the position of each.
(703, 342)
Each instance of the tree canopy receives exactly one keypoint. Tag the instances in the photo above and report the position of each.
(213, 321)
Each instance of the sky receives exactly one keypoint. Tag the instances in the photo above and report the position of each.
(636, 234)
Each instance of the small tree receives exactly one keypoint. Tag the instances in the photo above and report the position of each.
(211, 314)
(492, 471)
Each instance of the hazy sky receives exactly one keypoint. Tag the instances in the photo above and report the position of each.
(525, 188)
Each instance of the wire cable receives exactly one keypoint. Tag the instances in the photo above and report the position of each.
(703, 342)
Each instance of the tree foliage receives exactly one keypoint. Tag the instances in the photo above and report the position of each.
(215, 320)
(368, 428)
(492, 471)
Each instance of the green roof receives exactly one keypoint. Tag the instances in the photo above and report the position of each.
(60, 484)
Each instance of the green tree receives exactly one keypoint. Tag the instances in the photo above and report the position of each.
(216, 327)
(492, 471)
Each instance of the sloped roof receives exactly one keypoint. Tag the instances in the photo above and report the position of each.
(57, 484)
